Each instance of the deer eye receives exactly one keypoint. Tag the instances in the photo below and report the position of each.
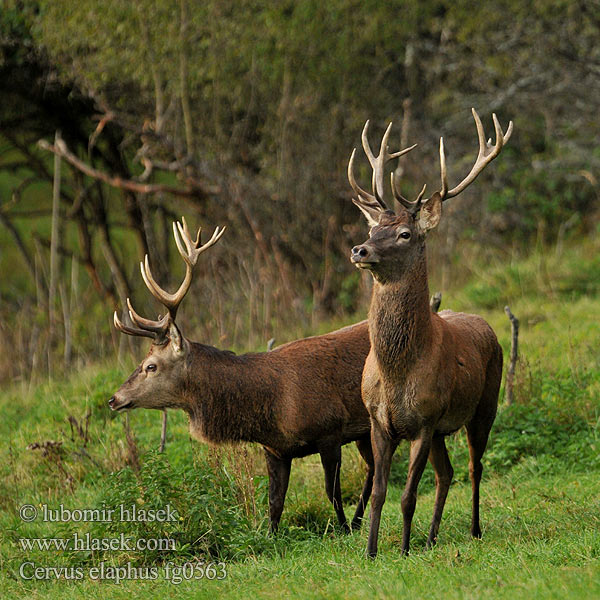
(151, 367)
(405, 235)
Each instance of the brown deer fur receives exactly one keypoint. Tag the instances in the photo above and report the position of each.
(301, 398)
(426, 374)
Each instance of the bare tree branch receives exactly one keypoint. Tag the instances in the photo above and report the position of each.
(20, 244)
(192, 190)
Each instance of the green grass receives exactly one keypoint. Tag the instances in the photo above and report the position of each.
(540, 491)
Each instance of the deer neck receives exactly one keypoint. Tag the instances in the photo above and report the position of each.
(400, 322)
(228, 398)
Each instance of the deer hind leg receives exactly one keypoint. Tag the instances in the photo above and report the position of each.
(331, 458)
(364, 447)
(438, 457)
(279, 477)
(478, 431)
(419, 451)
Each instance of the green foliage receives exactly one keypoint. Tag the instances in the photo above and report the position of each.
(349, 292)
(484, 294)
(522, 432)
(278, 94)
(539, 501)
(262, 102)
(580, 278)
(558, 274)
(210, 521)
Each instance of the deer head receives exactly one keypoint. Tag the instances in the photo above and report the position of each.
(158, 380)
(395, 239)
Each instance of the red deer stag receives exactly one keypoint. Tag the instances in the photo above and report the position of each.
(299, 399)
(426, 374)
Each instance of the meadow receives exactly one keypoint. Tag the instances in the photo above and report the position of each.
(60, 444)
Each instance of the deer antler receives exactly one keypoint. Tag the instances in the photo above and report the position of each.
(411, 205)
(374, 200)
(131, 330)
(486, 154)
(190, 250)
(190, 255)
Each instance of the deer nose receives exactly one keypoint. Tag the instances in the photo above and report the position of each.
(112, 401)
(359, 252)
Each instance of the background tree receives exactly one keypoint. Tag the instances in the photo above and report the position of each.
(244, 113)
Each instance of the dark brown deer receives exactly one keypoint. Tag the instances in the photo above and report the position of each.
(426, 374)
(301, 398)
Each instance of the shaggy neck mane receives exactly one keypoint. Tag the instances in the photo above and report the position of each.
(400, 319)
(229, 398)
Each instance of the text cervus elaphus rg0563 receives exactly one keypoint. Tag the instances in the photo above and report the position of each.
(426, 374)
(301, 398)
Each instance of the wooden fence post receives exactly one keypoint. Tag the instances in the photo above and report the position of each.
(54, 242)
(514, 355)
(163, 431)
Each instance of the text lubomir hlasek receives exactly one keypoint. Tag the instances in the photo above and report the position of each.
(119, 513)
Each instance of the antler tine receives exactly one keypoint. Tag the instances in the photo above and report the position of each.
(378, 162)
(186, 231)
(443, 171)
(190, 245)
(182, 237)
(365, 143)
(411, 205)
(480, 133)
(190, 255)
(170, 301)
(486, 154)
(190, 250)
(505, 136)
(194, 247)
(375, 200)
(159, 326)
(421, 193)
(216, 236)
(364, 196)
(130, 330)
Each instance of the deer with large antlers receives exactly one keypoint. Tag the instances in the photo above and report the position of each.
(301, 398)
(426, 375)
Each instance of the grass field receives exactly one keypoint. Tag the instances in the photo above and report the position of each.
(540, 490)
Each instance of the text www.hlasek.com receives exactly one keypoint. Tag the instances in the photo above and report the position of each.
(87, 543)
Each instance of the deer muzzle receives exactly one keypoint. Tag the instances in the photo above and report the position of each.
(362, 256)
(117, 404)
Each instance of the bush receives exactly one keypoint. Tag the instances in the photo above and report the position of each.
(555, 422)
(212, 523)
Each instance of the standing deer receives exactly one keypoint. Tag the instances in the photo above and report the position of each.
(426, 374)
(299, 399)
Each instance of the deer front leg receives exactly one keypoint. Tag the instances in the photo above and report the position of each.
(419, 451)
(331, 458)
(383, 450)
(279, 477)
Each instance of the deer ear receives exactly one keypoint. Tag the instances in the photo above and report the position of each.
(372, 214)
(430, 213)
(176, 339)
